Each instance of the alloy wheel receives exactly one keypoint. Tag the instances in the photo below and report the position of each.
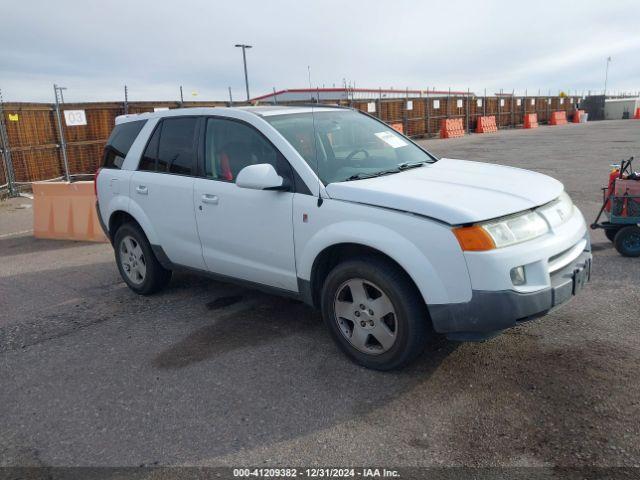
(132, 260)
(365, 316)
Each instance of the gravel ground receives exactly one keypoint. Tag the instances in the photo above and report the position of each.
(211, 374)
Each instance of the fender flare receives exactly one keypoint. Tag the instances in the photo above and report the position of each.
(139, 216)
(380, 238)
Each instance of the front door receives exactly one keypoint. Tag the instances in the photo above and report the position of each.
(245, 233)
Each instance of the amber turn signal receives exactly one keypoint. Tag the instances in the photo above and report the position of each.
(474, 239)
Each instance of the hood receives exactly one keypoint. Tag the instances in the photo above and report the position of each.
(453, 191)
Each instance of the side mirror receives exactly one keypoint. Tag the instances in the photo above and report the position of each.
(260, 177)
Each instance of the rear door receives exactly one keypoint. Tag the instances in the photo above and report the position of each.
(163, 187)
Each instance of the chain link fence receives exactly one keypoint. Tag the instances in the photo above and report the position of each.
(37, 145)
(422, 117)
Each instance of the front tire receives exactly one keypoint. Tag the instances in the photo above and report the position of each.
(627, 241)
(375, 313)
(138, 266)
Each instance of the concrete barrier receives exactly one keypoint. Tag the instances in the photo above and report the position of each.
(66, 211)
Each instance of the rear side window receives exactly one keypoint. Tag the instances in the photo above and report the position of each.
(119, 143)
(148, 160)
(172, 147)
(177, 149)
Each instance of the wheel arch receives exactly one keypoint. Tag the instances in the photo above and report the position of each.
(136, 215)
(375, 239)
(120, 217)
(334, 254)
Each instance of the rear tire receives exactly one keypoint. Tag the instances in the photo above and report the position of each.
(138, 266)
(627, 241)
(375, 313)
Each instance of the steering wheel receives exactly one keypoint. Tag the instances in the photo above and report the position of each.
(355, 152)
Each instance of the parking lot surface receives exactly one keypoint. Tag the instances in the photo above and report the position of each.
(207, 373)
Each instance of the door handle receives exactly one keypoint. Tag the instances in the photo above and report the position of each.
(210, 199)
(142, 190)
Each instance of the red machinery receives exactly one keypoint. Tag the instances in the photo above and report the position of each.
(621, 202)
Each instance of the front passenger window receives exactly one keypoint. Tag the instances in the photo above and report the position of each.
(230, 146)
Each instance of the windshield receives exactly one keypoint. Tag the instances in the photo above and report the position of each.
(348, 145)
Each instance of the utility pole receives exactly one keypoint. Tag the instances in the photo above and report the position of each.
(230, 98)
(126, 100)
(606, 75)
(181, 98)
(244, 61)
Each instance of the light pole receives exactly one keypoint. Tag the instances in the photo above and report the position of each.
(244, 61)
(606, 75)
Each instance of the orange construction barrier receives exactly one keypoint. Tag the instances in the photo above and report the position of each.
(451, 128)
(486, 125)
(66, 211)
(637, 115)
(558, 118)
(531, 120)
(576, 116)
(397, 127)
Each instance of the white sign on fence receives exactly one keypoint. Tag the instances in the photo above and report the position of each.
(371, 107)
(533, 101)
(409, 104)
(75, 118)
(459, 103)
(561, 101)
(160, 109)
(479, 102)
(436, 104)
(502, 102)
(519, 102)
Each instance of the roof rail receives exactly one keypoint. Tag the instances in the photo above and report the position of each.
(314, 105)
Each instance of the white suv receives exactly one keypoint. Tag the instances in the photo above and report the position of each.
(332, 206)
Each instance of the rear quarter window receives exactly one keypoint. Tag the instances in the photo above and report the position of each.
(119, 143)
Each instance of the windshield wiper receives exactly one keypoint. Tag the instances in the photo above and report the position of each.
(407, 165)
(399, 168)
(361, 176)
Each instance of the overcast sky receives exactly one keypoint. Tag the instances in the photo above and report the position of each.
(95, 47)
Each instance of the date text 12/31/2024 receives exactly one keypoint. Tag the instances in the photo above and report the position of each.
(315, 473)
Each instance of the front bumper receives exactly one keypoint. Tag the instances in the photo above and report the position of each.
(489, 312)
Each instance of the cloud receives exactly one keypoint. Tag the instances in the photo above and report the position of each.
(95, 48)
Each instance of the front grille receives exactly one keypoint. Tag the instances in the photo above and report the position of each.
(559, 255)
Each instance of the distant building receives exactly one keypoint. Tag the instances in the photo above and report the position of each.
(619, 108)
(346, 94)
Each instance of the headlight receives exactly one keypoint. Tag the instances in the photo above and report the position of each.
(521, 227)
(501, 232)
(516, 229)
